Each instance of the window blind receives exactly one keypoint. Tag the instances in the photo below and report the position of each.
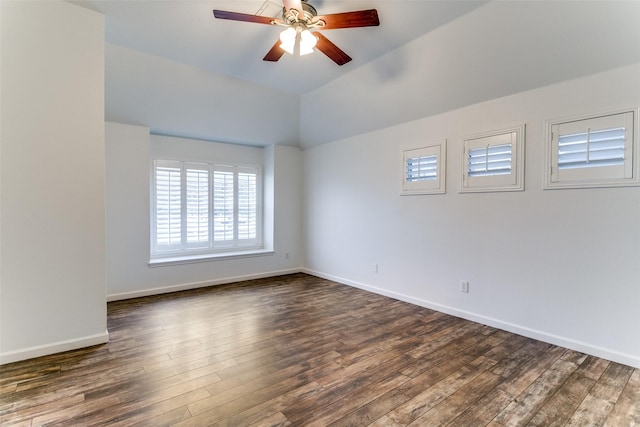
(421, 168)
(168, 206)
(197, 206)
(593, 148)
(200, 207)
(247, 205)
(223, 205)
(489, 160)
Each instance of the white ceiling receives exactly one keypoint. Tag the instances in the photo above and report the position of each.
(185, 31)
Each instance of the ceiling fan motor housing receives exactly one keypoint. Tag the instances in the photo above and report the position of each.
(308, 13)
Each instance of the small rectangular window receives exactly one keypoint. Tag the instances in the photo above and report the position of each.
(596, 151)
(424, 170)
(493, 161)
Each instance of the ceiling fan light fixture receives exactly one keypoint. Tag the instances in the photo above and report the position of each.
(288, 38)
(307, 42)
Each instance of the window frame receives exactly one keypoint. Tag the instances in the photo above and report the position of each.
(436, 185)
(513, 181)
(187, 251)
(593, 177)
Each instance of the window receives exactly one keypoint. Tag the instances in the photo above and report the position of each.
(424, 170)
(599, 151)
(493, 161)
(202, 208)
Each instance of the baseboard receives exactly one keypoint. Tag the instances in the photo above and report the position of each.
(195, 285)
(57, 347)
(582, 347)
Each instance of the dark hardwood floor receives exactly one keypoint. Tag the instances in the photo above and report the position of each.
(299, 350)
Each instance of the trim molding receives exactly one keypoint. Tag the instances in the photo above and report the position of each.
(582, 347)
(56, 347)
(190, 259)
(195, 285)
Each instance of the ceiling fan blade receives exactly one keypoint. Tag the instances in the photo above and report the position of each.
(292, 4)
(234, 16)
(327, 47)
(361, 18)
(274, 53)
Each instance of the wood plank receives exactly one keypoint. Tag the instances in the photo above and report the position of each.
(351, 384)
(413, 409)
(597, 405)
(558, 408)
(340, 408)
(455, 404)
(527, 404)
(228, 390)
(626, 411)
(256, 414)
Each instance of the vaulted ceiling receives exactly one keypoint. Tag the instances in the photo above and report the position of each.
(173, 67)
(186, 31)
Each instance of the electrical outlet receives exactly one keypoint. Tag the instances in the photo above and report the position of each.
(374, 267)
(464, 286)
(286, 255)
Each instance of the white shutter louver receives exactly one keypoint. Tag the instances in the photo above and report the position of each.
(489, 160)
(197, 206)
(223, 205)
(421, 168)
(247, 205)
(168, 206)
(604, 147)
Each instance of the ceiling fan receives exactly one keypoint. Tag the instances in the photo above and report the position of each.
(301, 20)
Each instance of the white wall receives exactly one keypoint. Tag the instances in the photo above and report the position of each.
(129, 150)
(498, 49)
(176, 99)
(557, 265)
(52, 281)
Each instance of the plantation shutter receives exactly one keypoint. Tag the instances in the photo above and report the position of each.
(197, 205)
(421, 168)
(201, 208)
(247, 204)
(595, 149)
(489, 160)
(424, 169)
(223, 204)
(168, 205)
(590, 149)
(494, 161)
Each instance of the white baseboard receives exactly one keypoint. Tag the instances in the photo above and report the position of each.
(56, 347)
(195, 285)
(582, 347)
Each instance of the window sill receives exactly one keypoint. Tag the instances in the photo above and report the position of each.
(190, 259)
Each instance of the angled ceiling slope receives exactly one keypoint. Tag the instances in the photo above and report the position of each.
(187, 32)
